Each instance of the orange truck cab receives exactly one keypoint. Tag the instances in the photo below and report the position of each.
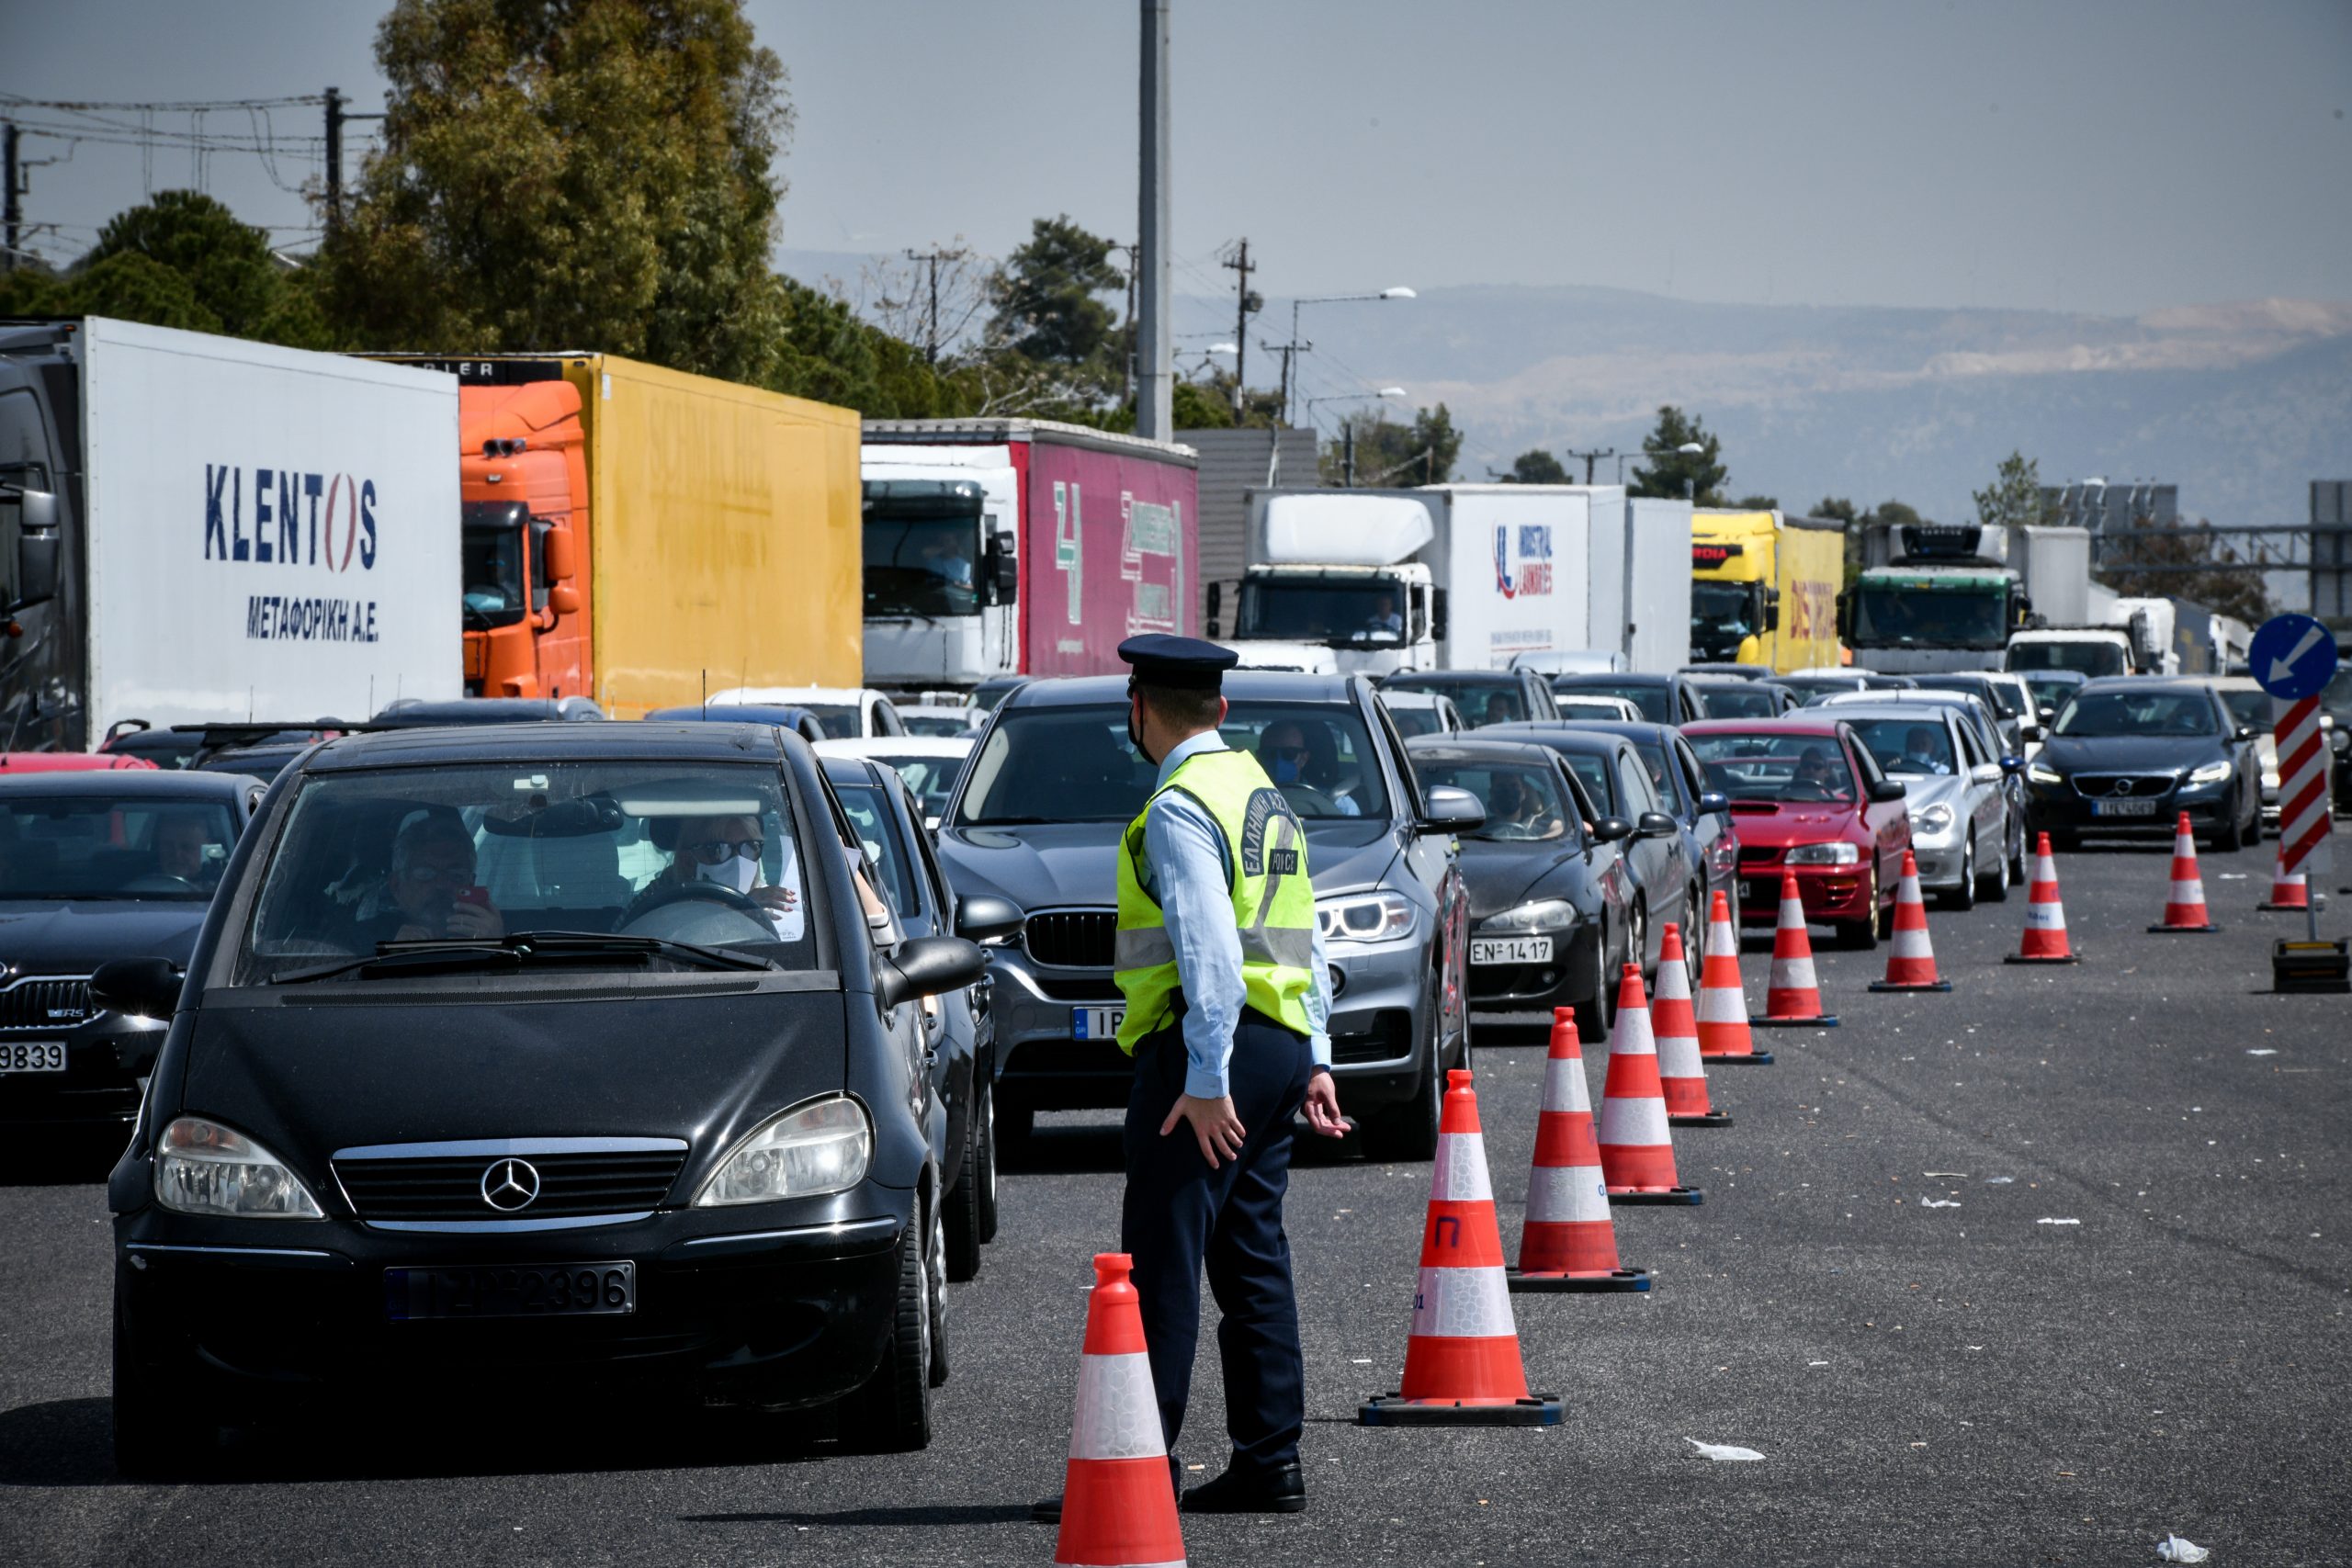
(522, 483)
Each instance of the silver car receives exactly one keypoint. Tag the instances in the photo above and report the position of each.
(1976, 717)
(1962, 827)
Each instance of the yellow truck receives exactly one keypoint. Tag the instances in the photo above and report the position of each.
(629, 531)
(1764, 588)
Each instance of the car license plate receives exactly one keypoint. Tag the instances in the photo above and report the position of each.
(1511, 950)
(547, 1290)
(1096, 1024)
(32, 1056)
(2124, 807)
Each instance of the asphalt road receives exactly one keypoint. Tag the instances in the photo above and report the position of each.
(1962, 1383)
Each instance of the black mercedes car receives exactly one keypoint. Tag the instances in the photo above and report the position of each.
(93, 867)
(1550, 899)
(572, 1052)
(2129, 753)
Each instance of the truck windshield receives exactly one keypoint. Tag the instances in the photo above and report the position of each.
(2092, 657)
(1074, 765)
(94, 846)
(1891, 615)
(1721, 615)
(922, 557)
(493, 556)
(1351, 612)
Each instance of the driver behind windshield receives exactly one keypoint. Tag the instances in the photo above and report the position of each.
(431, 890)
(1814, 768)
(1520, 810)
(724, 850)
(181, 840)
(1283, 751)
(1920, 754)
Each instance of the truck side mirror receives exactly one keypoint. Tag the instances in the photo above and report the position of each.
(559, 559)
(1845, 615)
(563, 598)
(35, 534)
(1437, 613)
(1004, 568)
(1215, 605)
(1771, 616)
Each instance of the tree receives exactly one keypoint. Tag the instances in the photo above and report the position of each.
(1047, 296)
(1836, 507)
(1669, 473)
(570, 173)
(1757, 504)
(1537, 467)
(2013, 497)
(1423, 452)
(1894, 513)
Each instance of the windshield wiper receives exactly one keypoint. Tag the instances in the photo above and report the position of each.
(435, 953)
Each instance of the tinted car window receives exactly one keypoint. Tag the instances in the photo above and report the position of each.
(1745, 701)
(1412, 721)
(2138, 713)
(1656, 703)
(869, 814)
(86, 846)
(1634, 785)
(2247, 706)
(1775, 767)
(1599, 781)
(1920, 746)
(1662, 773)
(1522, 800)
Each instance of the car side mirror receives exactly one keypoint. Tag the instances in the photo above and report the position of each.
(1991, 772)
(1609, 829)
(143, 987)
(1437, 613)
(926, 965)
(2047, 713)
(1888, 789)
(983, 916)
(1446, 809)
(1714, 803)
(2013, 764)
(1214, 606)
(1655, 825)
(2245, 732)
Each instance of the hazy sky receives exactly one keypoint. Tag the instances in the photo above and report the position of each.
(2109, 155)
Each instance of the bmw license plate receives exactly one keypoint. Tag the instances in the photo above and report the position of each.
(544, 1290)
(1511, 950)
(1096, 1024)
(32, 1056)
(2124, 807)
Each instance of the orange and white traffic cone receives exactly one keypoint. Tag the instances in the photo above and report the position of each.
(2184, 907)
(2045, 915)
(1636, 1140)
(1680, 1072)
(1793, 999)
(1723, 1036)
(1462, 1365)
(1569, 1242)
(2286, 892)
(1118, 1501)
(1911, 961)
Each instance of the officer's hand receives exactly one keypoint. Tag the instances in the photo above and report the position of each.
(1323, 1107)
(1215, 1123)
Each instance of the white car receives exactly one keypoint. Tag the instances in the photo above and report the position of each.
(846, 712)
(1962, 828)
(930, 763)
(1596, 705)
(941, 718)
(2249, 703)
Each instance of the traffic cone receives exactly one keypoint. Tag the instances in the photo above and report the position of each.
(1680, 1073)
(1793, 999)
(1636, 1141)
(1569, 1242)
(1462, 1365)
(2185, 909)
(1118, 1504)
(1723, 1036)
(1911, 962)
(2046, 916)
(2286, 892)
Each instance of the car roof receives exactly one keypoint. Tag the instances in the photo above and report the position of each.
(1905, 697)
(1787, 724)
(785, 714)
(840, 770)
(1559, 735)
(886, 745)
(1576, 678)
(552, 741)
(776, 696)
(2150, 683)
(1631, 729)
(472, 710)
(1256, 685)
(1471, 746)
(1897, 710)
(1428, 677)
(137, 783)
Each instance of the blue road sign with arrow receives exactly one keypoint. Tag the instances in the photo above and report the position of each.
(2293, 657)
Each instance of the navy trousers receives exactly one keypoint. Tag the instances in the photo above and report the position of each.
(1179, 1216)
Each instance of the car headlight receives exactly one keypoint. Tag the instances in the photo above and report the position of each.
(1837, 854)
(202, 1168)
(1933, 819)
(1365, 917)
(2042, 775)
(1543, 914)
(819, 1149)
(2211, 773)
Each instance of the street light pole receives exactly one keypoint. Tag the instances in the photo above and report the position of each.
(1155, 345)
(1347, 427)
(1297, 345)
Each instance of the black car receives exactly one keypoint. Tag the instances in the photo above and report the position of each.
(94, 867)
(784, 715)
(960, 1035)
(523, 1054)
(1551, 901)
(1662, 699)
(166, 748)
(2129, 753)
(1483, 696)
(1747, 698)
(415, 713)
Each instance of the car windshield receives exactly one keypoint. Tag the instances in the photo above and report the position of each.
(2096, 657)
(1909, 614)
(1524, 800)
(2137, 713)
(1310, 609)
(96, 846)
(1918, 747)
(681, 851)
(2049, 690)
(1411, 720)
(1075, 764)
(2247, 704)
(1745, 700)
(1775, 767)
(871, 816)
(839, 720)
(1481, 702)
(941, 725)
(1656, 703)
(166, 748)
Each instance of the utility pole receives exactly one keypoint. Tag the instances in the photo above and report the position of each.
(1155, 345)
(338, 115)
(1591, 457)
(1240, 263)
(16, 211)
(931, 334)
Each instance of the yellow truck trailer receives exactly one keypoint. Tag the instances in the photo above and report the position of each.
(1764, 588)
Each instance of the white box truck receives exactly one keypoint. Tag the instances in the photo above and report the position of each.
(1459, 577)
(198, 528)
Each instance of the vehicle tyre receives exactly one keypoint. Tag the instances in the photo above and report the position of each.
(935, 1273)
(1963, 896)
(2019, 874)
(1595, 1016)
(1694, 935)
(963, 1204)
(2227, 837)
(152, 1438)
(1408, 1131)
(1637, 944)
(984, 1199)
(891, 1413)
(1996, 889)
(1861, 935)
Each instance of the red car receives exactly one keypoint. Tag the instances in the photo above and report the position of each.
(66, 761)
(1809, 798)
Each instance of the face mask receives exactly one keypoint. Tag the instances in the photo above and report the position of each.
(1134, 736)
(736, 872)
(1285, 769)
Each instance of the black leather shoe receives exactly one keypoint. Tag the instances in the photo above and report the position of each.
(1048, 1510)
(1282, 1490)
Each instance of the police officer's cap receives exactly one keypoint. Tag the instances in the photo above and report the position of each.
(1182, 662)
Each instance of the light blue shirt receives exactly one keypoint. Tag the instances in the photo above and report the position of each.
(1187, 851)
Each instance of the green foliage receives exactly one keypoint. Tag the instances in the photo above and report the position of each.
(1671, 474)
(570, 173)
(1047, 297)
(1757, 504)
(2151, 544)
(1837, 507)
(2015, 495)
(1423, 452)
(1537, 467)
(1894, 512)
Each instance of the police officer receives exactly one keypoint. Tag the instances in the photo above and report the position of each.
(1228, 1006)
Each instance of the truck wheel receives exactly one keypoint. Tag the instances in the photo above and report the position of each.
(891, 1413)
(1408, 1131)
(962, 1204)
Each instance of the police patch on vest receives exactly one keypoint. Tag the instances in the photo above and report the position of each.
(1267, 807)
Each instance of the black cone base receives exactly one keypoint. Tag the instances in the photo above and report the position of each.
(1739, 1059)
(1893, 986)
(2021, 958)
(2181, 931)
(1684, 1197)
(1825, 1020)
(1396, 1410)
(1571, 1284)
(1711, 1119)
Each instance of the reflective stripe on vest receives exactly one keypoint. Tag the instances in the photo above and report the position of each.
(1274, 900)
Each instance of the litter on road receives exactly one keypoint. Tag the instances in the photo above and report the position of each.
(2180, 1548)
(1723, 1454)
